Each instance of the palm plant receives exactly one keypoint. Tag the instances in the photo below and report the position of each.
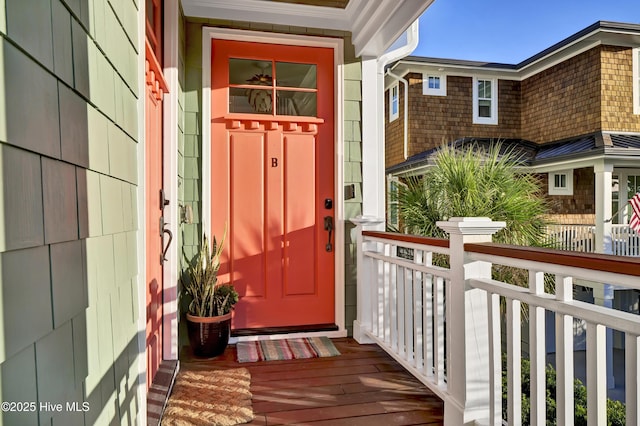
(208, 297)
(475, 182)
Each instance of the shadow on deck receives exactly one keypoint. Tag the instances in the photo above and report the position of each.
(362, 386)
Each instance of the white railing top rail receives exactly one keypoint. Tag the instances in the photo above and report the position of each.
(435, 245)
(398, 261)
(618, 320)
(587, 266)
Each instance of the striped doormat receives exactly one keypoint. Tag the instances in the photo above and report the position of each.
(273, 350)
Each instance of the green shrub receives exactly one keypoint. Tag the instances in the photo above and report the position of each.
(615, 409)
(474, 181)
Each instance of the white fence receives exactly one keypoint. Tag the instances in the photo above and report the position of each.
(624, 240)
(445, 324)
(572, 237)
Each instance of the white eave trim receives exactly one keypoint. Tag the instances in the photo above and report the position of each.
(522, 72)
(468, 70)
(568, 163)
(266, 12)
(374, 24)
(374, 33)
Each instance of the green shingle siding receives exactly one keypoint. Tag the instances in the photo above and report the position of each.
(62, 44)
(59, 201)
(33, 96)
(73, 127)
(18, 376)
(68, 284)
(29, 25)
(21, 213)
(26, 306)
(352, 176)
(3, 17)
(68, 241)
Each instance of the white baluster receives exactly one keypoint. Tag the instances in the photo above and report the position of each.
(537, 353)
(596, 374)
(564, 355)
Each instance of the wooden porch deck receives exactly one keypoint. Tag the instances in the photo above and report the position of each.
(362, 386)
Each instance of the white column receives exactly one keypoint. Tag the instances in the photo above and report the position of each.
(365, 280)
(373, 187)
(373, 176)
(603, 294)
(467, 315)
(604, 179)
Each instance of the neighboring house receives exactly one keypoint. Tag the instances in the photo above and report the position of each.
(573, 110)
(128, 129)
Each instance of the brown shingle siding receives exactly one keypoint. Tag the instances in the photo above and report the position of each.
(583, 200)
(563, 101)
(617, 90)
(435, 120)
(394, 131)
(509, 107)
(590, 92)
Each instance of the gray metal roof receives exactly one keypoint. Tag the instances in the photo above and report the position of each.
(626, 141)
(532, 154)
(567, 147)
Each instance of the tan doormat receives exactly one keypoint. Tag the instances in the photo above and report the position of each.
(210, 397)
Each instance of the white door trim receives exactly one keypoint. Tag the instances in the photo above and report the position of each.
(171, 268)
(141, 235)
(210, 33)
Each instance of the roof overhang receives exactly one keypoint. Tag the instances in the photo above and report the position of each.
(621, 150)
(619, 158)
(373, 24)
(600, 33)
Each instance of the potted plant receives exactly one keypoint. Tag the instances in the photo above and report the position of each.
(209, 313)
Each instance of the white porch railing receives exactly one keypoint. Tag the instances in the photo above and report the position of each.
(445, 324)
(571, 237)
(624, 240)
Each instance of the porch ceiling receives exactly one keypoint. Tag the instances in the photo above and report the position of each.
(374, 24)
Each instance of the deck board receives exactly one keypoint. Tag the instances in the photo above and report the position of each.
(362, 386)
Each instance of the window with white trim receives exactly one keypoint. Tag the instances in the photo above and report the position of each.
(393, 208)
(392, 202)
(394, 102)
(485, 100)
(636, 81)
(434, 84)
(561, 182)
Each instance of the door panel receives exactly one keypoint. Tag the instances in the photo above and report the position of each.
(247, 214)
(154, 204)
(272, 167)
(299, 170)
(153, 165)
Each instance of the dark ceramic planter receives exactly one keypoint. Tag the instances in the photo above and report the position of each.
(209, 336)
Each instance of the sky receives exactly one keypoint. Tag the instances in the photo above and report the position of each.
(510, 31)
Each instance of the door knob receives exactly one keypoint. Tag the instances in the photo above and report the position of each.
(328, 226)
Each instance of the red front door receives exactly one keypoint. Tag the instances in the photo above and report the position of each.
(153, 210)
(272, 181)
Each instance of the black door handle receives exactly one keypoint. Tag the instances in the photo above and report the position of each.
(328, 226)
(163, 256)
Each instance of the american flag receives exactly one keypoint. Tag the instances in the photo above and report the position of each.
(634, 222)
